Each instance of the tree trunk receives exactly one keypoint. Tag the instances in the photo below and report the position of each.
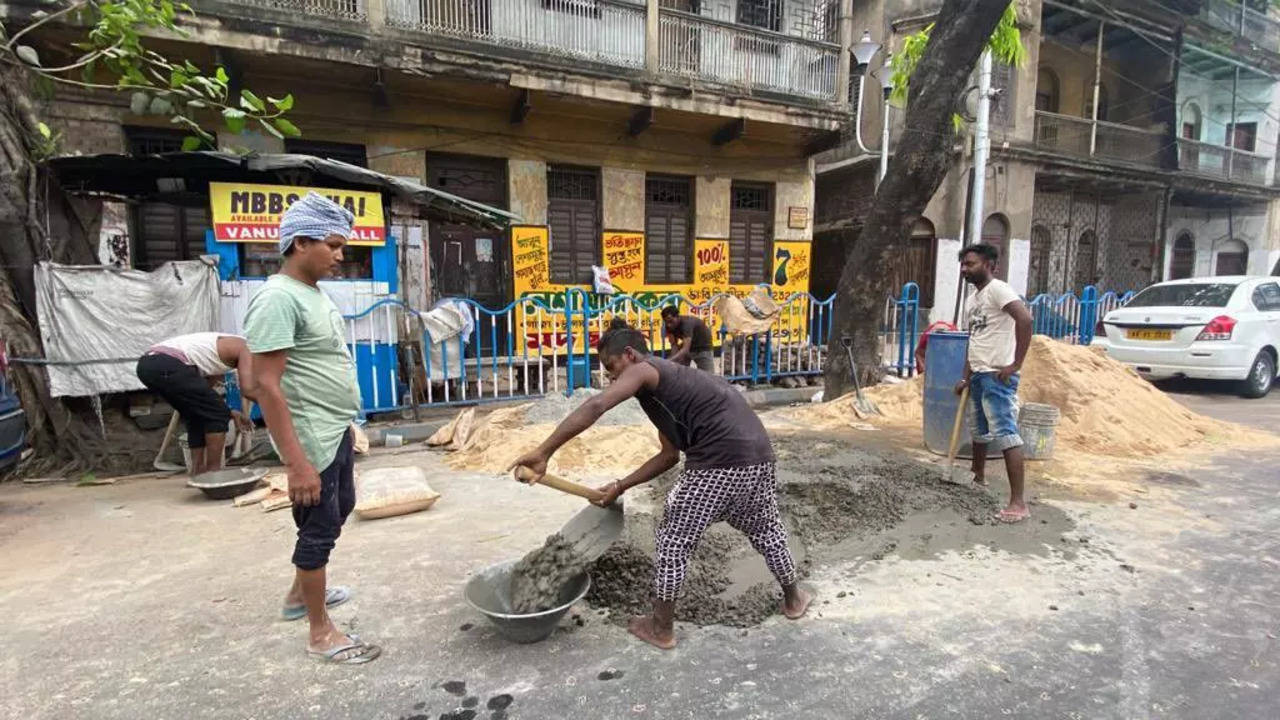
(919, 164)
(53, 431)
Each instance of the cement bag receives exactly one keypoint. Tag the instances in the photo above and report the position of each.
(444, 435)
(390, 491)
(741, 320)
(359, 440)
(600, 280)
(462, 431)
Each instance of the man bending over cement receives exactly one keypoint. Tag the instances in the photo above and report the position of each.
(180, 370)
(728, 475)
(307, 389)
(691, 337)
(999, 328)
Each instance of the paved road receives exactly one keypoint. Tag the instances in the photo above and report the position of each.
(1156, 601)
(1220, 401)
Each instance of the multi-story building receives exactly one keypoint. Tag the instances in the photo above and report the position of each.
(670, 124)
(1138, 142)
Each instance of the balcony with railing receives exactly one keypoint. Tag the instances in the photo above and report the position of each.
(605, 32)
(1223, 163)
(1082, 137)
(758, 47)
(700, 47)
(1239, 19)
(347, 10)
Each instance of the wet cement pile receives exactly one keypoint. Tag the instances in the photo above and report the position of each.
(829, 501)
(541, 577)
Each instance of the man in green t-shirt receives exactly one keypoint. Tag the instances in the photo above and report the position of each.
(308, 393)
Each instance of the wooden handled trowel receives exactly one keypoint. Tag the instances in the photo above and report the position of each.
(594, 528)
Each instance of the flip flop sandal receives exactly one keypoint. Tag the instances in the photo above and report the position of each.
(367, 653)
(333, 597)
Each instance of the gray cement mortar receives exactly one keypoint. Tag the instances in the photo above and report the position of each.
(828, 500)
(537, 579)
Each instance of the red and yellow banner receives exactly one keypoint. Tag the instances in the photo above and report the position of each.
(247, 213)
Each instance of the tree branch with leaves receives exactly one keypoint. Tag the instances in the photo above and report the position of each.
(177, 89)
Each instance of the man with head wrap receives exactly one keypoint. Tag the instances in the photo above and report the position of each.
(307, 389)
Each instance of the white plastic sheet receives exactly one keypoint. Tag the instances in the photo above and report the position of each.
(96, 321)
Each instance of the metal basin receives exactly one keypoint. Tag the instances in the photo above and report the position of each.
(489, 592)
(227, 483)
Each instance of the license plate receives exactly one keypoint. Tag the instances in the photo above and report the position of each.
(1149, 334)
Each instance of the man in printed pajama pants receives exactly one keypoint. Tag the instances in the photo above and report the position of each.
(728, 475)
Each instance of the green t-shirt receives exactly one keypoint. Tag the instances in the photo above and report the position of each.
(319, 376)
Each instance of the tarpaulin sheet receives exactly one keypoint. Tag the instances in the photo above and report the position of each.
(96, 321)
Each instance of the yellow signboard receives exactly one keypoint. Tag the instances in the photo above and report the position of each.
(544, 328)
(247, 213)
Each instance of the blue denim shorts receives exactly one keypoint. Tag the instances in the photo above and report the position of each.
(993, 412)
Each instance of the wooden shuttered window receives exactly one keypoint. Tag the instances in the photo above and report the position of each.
(573, 217)
(668, 227)
(164, 232)
(750, 232)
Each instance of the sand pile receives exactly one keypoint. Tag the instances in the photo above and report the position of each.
(505, 434)
(1107, 409)
(900, 403)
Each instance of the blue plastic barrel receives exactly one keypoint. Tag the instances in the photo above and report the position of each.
(944, 367)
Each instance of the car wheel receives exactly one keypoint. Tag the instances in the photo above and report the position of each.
(1261, 376)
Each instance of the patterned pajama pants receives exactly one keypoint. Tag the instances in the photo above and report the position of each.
(744, 497)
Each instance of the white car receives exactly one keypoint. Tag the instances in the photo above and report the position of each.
(1212, 328)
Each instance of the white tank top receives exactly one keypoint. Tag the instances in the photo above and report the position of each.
(201, 350)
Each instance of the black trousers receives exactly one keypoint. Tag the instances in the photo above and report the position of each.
(320, 525)
(182, 386)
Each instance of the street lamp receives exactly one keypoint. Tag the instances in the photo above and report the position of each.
(864, 51)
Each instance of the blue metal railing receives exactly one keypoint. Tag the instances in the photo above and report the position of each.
(516, 351)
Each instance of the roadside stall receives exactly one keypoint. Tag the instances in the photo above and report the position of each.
(240, 199)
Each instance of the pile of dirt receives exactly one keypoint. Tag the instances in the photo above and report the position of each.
(899, 404)
(506, 434)
(830, 498)
(1107, 409)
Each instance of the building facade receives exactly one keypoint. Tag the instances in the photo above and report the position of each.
(1137, 143)
(668, 142)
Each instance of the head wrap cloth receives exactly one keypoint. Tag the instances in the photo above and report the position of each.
(314, 216)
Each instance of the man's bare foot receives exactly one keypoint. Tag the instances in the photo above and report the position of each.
(1014, 514)
(644, 627)
(980, 481)
(795, 604)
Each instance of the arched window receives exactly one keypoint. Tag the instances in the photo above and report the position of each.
(1086, 269)
(1191, 121)
(995, 231)
(1038, 272)
(1233, 258)
(917, 264)
(1046, 90)
(1183, 263)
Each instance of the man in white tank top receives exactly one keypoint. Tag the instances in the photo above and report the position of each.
(180, 370)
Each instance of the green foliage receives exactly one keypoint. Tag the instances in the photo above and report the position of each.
(113, 47)
(1005, 45)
